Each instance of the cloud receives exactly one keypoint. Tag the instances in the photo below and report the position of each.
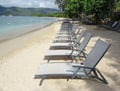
(29, 3)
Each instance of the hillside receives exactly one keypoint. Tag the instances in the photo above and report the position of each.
(16, 11)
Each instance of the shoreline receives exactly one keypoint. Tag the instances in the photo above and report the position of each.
(27, 31)
(21, 41)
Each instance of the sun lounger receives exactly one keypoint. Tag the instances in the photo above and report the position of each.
(70, 44)
(69, 54)
(68, 39)
(68, 31)
(75, 70)
(66, 25)
(117, 27)
(112, 25)
(75, 32)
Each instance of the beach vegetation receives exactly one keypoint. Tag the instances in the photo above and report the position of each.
(116, 13)
(92, 11)
(59, 14)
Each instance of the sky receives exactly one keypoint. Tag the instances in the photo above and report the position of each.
(29, 3)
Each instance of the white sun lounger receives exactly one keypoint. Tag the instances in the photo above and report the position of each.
(68, 39)
(75, 70)
(68, 45)
(74, 31)
(66, 26)
(70, 30)
(69, 54)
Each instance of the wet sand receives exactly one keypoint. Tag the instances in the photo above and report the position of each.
(20, 58)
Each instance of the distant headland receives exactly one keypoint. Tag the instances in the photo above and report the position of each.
(17, 11)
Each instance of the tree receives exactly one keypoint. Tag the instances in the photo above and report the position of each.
(99, 9)
(73, 8)
(117, 8)
(61, 4)
(116, 13)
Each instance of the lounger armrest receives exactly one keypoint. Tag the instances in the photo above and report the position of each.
(82, 66)
(79, 67)
(74, 49)
(71, 43)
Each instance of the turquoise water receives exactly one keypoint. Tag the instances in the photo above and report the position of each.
(11, 26)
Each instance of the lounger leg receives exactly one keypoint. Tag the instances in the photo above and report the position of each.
(74, 74)
(72, 59)
(41, 81)
(48, 61)
(67, 79)
(100, 76)
(103, 79)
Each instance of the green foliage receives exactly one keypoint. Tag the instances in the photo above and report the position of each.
(50, 15)
(73, 8)
(117, 7)
(99, 9)
(116, 14)
(61, 4)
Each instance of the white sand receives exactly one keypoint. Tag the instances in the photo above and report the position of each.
(22, 56)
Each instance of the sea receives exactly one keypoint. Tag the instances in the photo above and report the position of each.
(13, 26)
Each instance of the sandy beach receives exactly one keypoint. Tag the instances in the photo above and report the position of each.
(21, 56)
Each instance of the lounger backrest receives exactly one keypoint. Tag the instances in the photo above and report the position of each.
(66, 21)
(81, 34)
(74, 27)
(95, 55)
(84, 42)
(77, 38)
(66, 26)
(71, 28)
